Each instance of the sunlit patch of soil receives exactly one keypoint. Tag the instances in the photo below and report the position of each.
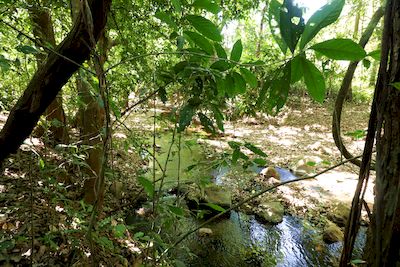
(304, 131)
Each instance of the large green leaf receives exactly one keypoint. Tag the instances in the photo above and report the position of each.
(207, 123)
(376, 54)
(237, 50)
(26, 49)
(325, 16)
(273, 21)
(240, 83)
(221, 65)
(296, 70)
(314, 80)
(220, 51)
(220, 83)
(177, 5)
(255, 149)
(147, 186)
(208, 5)
(279, 90)
(201, 42)
(205, 27)
(340, 49)
(291, 24)
(185, 117)
(166, 18)
(219, 118)
(230, 89)
(250, 78)
(4, 63)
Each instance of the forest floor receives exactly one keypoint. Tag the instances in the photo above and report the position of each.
(300, 133)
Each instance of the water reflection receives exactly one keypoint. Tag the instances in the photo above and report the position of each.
(243, 241)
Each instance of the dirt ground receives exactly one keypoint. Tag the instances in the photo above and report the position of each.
(302, 133)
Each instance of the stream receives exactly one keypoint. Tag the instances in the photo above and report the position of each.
(241, 240)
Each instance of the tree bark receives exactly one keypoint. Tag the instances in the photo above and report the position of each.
(383, 245)
(43, 31)
(54, 73)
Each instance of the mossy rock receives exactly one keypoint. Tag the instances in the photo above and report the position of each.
(218, 195)
(271, 212)
(339, 213)
(332, 233)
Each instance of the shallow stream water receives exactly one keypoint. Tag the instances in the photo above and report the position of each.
(241, 240)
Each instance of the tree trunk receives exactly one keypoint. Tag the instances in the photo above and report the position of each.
(383, 245)
(90, 122)
(261, 29)
(43, 31)
(54, 73)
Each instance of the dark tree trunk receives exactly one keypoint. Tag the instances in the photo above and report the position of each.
(383, 247)
(43, 31)
(50, 78)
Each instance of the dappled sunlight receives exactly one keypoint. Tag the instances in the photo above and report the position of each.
(337, 185)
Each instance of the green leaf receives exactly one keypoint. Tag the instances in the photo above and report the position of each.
(119, 230)
(261, 97)
(176, 210)
(180, 66)
(366, 63)
(166, 18)
(220, 83)
(376, 54)
(240, 83)
(340, 49)
(207, 123)
(273, 21)
(4, 63)
(220, 51)
(314, 80)
(249, 76)
(255, 149)
(105, 242)
(237, 50)
(147, 186)
(357, 134)
(323, 17)
(215, 207)
(26, 49)
(230, 85)
(236, 155)
(180, 42)
(177, 5)
(279, 90)
(185, 117)
(205, 27)
(395, 85)
(234, 145)
(260, 162)
(201, 42)
(221, 65)
(296, 70)
(208, 5)
(219, 118)
(291, 24)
